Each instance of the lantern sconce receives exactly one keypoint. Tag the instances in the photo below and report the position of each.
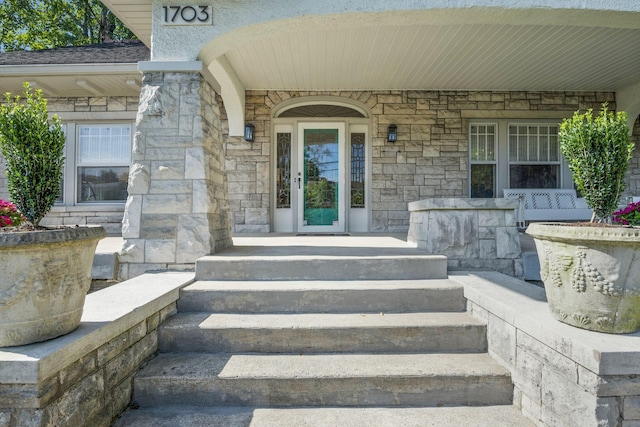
(392, 133)
(249, 132)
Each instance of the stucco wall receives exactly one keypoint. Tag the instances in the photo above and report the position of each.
(430, 158)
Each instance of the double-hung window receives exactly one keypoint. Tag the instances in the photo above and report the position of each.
(482, 150)
(102, 162)
(534, 156)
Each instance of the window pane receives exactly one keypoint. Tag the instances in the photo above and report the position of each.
(482, 141)
(104, 145)
(534, 176)
(357, 170)
(483, 181)
(533, 144)
(102, 184)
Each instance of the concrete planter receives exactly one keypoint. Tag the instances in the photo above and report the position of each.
(44, 278)
(591, 275)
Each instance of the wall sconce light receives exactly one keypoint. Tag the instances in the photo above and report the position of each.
(249, 132)
(392, 133)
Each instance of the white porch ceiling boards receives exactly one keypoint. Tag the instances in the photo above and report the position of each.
(135, 14)
(475, 57)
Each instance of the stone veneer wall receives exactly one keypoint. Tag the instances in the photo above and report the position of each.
(95, 110)
(430, 158)
(177, 209)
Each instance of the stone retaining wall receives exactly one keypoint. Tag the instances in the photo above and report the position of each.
(472, 233)
(563, 376)
(85, 378)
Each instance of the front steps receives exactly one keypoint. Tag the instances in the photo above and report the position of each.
(257, 343)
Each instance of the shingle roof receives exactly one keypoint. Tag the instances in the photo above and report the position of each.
(129, 51)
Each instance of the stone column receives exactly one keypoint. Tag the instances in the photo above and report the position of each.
(178, 208)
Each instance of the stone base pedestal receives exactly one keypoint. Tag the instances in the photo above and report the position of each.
(478, 234)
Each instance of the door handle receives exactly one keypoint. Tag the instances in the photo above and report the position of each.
(299, 179)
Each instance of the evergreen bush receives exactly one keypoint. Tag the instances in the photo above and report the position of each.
(33, 150)
(597, 150)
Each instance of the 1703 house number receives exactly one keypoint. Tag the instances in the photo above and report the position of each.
(187, 15)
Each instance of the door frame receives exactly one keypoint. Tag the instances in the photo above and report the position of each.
(285, 220)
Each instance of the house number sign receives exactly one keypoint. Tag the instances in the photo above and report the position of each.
(187, 15)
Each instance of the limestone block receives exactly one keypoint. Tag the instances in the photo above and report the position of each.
(80, 403)
(78, 370)
(138, 148)
(203, 200)
(528, 374)
(263, 172)
(195, 163)
(491, 218)
(568, 402)
(488, 249)
(132, 251)
(193, 238)
(117, 103)
(129, 361)
(167, 169)
(138, 179)
(132, 217)
(508, 243)
(256, 216)
(531, 408)
(501, 337)
(170, 187)
(242, 228)
(157, 251)
(631, 408)
(453, 233)
(561, 365)
(166, 203)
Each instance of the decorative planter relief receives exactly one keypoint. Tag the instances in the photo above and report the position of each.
(44, 278)
(591, 275)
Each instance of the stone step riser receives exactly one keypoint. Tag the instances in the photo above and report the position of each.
(342, 392)
(360, 268)
(324, 301)
(467, 339)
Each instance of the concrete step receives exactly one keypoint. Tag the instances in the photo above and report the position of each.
(309, 263)
(322, 296)
(204, 379)
(315, 333)
(488, 416)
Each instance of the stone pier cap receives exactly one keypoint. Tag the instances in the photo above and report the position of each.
(463, 203)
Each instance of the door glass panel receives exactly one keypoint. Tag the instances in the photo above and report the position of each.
(320, 176)
(357, 170)
(283, 170)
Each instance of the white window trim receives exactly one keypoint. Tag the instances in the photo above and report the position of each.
(70, 171)
(502, 151)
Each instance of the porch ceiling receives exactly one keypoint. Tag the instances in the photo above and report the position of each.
(455, 57)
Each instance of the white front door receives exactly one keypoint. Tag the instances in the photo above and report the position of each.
(320, 177)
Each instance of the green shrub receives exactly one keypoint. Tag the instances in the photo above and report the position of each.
(33, 148)
(597, 150)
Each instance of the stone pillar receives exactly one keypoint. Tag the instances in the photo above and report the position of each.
(474, 234)
(178, 208)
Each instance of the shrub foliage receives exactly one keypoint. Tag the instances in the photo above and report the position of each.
(597, 150)
(33, 148)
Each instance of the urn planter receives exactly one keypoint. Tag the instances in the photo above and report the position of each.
(44, 278)
(591, 274)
